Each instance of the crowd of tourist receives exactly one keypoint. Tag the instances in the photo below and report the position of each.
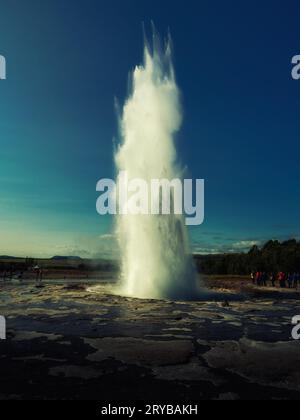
(281, 279)
(10, 275)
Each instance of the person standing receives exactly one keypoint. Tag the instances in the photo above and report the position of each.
(41, 276)
(295, 280)
(263, 279)
(282, 280)
(36, 269)
(290, 280)
(257, 278)
(298, 280)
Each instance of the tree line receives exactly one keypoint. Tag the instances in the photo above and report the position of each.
(273, 257)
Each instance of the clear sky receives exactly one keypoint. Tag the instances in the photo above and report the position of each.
(68, 60)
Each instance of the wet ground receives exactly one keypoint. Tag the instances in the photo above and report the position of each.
(64, 342)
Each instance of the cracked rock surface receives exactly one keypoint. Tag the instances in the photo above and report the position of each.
(69, 343)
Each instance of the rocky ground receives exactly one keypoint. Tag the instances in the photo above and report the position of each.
(65, 341)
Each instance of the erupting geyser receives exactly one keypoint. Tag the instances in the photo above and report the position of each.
(156, 259)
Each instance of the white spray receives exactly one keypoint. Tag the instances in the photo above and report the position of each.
(156, 259)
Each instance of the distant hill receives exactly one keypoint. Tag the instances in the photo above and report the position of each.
(7, 257)
(61, 258)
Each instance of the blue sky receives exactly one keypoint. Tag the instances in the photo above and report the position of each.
(67, 61)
